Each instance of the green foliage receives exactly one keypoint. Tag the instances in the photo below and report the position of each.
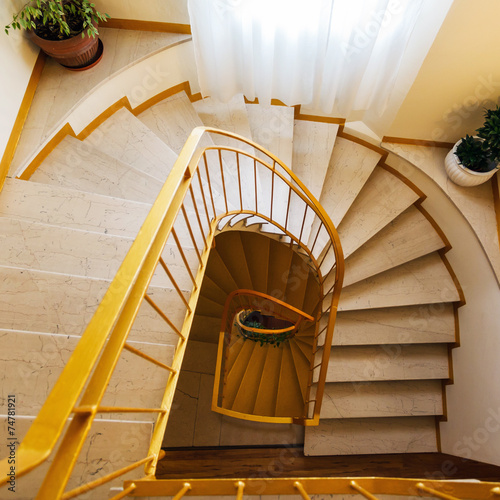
(490, 131)
(274, 339)
(58, 19)
(475, 154)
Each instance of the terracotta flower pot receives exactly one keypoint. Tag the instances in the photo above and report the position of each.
(75, 53)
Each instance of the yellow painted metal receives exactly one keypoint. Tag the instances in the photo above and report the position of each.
(126, 492)
(99, 349)
(185, 488)
(363, 492)
(301, 490)
(135, 351)
(314, 486)
(496, 491)
(240, 486)
(433, 492)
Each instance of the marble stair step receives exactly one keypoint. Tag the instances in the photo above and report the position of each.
(382, 199)
(88, 169)
(420, 324)
(249, 386)
(382, 399)
(231, 116)
(386, 362)
(407, 237)
(218, 272)
(425, 280)
(173, 120)
(280, 259)
(313, 143)
(126, 138)
(265, 404)
(234, 376)
(59, 206)
(302, 362)
(56, 249)
(272, 127)
(55, 303)
(351, 165)
(36, 360)
(289, 401)
(371, 436)
(256, 251)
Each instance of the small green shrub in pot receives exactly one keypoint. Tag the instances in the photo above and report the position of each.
(475, 154)
(490, 132)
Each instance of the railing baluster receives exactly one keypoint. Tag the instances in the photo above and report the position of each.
(135, 351)
(106, 479)
(273, 175)
(288, 207)
(203, 195)
(125, 492)
(176, 286)
(316, 239)
(223, 180)
(239, 178)
(195, 205)
(434, 493)
(152, 303)
(303, 222)
(362, 491)
(186, 263)
(298, 486)
(209, 183)
(115, 409)
(190, 231)
(185, 488)
(255, 184)
(325, 254)
(495, 491)
(240, 485)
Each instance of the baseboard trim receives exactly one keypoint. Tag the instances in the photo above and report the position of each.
(418, 142)
(22, 114)
(136, 25)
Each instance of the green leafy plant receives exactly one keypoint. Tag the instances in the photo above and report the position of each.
(475, 154)
(58, 19)
(274, 339)
(490, 131)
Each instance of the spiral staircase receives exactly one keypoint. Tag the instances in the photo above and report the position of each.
(66, 230)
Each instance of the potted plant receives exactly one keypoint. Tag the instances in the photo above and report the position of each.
(64, 29)
(474, 160)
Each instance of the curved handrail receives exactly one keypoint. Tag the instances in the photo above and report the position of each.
(83, 381)
(262, 330)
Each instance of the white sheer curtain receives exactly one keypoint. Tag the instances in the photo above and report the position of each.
(336, 56)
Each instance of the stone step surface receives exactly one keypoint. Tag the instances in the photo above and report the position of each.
(407, 237)
(126, 138)
(74, 166)
(382, 399)
(71, 208)
(372, 435)
(425, 280)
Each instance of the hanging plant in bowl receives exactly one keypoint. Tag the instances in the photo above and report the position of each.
(264, 329)
(66, 30)
(474, 160)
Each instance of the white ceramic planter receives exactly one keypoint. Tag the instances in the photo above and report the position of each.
(461, 175)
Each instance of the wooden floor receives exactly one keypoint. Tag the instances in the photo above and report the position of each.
(291, 462)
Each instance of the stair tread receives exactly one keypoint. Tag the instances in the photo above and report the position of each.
(75, 166)
(265, 404)
(396, 325)
(351, 164)
(409, 236)
(289, 402)
(212, 291)
(126, 138)
(256, 248)
(233, 351)
(205, 329)
(371, 436)
(381, 200)
(388, 362)
(219, 274)
(249, 386)
(65, 207)
(55, 303)
(382, 399)
(302, 365)
(280, 259)
(313, 143)
(424, 280)
(236, 373)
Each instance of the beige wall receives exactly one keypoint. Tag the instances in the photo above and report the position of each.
(18, 56)
(164, 11)
(460, 74)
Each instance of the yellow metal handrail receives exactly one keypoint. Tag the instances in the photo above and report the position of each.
(195, 190)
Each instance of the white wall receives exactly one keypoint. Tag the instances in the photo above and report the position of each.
(165, 11)
(18, 56)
